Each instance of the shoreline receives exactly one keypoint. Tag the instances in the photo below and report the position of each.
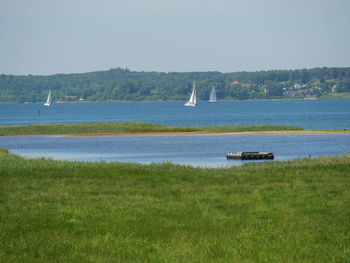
(332, 97)
(145, 134)
(150, 129)
(204, 133)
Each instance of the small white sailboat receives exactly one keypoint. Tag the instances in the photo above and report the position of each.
(193, 100)
(48, 101)
(212, 98)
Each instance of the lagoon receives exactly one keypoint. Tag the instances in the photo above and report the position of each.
(204, 151)
(201, 151)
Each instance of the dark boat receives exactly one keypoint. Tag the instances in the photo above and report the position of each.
(250, 156)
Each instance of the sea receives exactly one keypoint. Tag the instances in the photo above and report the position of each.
(202, 151)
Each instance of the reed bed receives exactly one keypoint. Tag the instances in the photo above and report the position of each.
(130, 127)
(60, 211)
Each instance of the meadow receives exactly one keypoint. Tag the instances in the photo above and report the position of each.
(60, 211)
(131, 128)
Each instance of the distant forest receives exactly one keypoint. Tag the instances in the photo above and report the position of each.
(125, 85)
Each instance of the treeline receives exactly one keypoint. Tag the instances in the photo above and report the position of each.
(125, 85)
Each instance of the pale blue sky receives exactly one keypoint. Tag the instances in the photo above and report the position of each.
(73, 36)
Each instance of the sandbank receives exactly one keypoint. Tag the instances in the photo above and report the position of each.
(200, 133)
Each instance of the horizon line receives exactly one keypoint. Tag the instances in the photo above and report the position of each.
(170, 72)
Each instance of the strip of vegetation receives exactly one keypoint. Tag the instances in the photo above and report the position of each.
(59, 211)
(129, 127)
(344, 95)
(125, 85)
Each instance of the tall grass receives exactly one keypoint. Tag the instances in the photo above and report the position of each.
(128, 127)
(59, 211)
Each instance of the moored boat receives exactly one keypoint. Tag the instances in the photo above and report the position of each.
(250, 156)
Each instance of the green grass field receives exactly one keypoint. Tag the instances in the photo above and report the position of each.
(130, 127)
(60, 211)
(343, 95)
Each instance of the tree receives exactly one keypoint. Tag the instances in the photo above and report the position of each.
(305, 76)
(294, 76)
(272, 89)
(124, 84)
(243, 93)
(282, 75)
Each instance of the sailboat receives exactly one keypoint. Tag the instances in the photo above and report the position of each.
(193, 100)
(48, 101)
(213, 95)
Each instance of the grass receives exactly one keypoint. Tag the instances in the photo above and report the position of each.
(60, 211)
(128, 127)
(342, 95)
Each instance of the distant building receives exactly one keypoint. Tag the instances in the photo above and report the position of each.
(243, 85)
(297, 86)
(70, 98)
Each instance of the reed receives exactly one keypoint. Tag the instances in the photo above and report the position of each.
(129, 127)
(60, 211)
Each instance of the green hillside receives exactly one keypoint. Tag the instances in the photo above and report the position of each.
(125, 85)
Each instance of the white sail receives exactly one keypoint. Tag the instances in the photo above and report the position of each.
(48, 101)
(194, 95)
(193, 99)
(212, 95)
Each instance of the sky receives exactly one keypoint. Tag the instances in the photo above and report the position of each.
(44, 37)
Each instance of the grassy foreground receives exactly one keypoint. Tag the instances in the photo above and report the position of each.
(130, 128)
(60, 211)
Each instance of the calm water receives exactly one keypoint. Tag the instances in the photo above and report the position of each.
(194, 150)
(317, 114)
(205, 151)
